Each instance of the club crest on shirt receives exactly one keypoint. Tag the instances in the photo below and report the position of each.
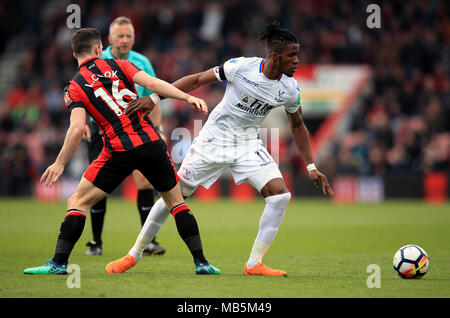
(279, 97)
(245, 99)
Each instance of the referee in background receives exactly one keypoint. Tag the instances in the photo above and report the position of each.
(121, 39)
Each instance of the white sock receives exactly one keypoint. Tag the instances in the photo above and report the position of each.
(269, 223)
(155, 220)
(258, 250)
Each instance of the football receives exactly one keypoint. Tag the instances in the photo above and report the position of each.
(411, 261)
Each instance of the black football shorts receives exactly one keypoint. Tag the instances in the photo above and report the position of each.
(153, 159)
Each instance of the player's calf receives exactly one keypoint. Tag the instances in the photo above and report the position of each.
(269, 224)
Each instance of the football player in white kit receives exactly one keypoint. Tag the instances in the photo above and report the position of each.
(229, 139)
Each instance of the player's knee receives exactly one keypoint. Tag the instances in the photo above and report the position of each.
(274, 187)
(279, 200)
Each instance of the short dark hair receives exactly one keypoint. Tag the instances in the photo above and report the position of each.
(275, 36)
(84, 39)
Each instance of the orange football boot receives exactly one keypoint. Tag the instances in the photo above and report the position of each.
(261, 269)
(120, 265)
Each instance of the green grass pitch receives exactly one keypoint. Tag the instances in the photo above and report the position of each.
(325, 248)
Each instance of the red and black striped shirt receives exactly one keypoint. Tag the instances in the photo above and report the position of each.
(103, 88)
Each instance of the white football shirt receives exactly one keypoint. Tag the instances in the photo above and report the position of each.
(249, 97)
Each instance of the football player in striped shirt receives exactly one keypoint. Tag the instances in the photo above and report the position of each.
(102, 89)
(121, 38)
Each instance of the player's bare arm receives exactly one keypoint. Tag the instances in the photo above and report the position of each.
(186, 84)
(191, 82)
(301, 139)
(72, 140)
(87, 129)
(163, 88)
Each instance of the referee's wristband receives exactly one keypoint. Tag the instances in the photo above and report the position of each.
(155, 98)
(311, 167)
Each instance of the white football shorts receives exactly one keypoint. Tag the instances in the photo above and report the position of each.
(205, 162)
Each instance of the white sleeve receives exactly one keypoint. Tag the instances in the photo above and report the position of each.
(227, 70)
(294, 102)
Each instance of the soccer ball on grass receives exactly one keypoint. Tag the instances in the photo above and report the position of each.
(411, 261)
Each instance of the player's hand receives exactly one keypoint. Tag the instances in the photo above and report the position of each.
(197, 104)
(52, 174)
(142, 103)
(87, 133)
(319, 178)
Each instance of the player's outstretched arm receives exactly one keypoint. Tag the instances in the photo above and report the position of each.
(163, 88)
(190, 82)
(301, 139)
(186, 84)
(72, 140)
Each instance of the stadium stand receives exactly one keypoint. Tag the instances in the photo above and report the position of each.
(400, 129)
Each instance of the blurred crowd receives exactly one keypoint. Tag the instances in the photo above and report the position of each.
(400, 127)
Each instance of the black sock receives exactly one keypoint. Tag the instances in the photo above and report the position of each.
(188, 229)
(69, 233)
(98, 211)
(145, 201)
